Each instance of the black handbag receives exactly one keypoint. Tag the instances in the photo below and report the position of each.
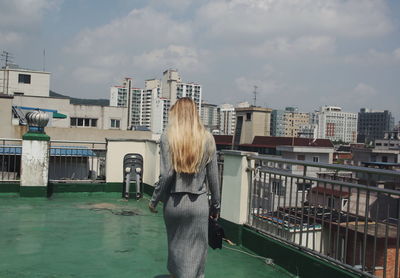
(215, 234)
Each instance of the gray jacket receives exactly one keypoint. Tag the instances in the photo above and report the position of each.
(172, 182)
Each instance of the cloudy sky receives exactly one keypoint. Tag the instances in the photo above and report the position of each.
(304, 53)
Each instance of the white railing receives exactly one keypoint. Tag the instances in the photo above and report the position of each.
(346, 214)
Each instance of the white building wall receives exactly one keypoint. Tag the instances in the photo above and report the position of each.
(103, 114)
(227, 119)
(336, 125)
(39, 82)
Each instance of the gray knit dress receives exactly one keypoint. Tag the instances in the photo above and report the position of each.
(186, 211)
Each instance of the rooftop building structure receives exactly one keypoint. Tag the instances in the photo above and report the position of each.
(251, 122)
(227, 119)
(210, 116)
(16, 81)
(336, 125)
(373, 124)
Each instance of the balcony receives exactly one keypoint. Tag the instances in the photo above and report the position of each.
(308, 219)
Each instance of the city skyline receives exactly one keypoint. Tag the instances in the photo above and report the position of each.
(306, 54)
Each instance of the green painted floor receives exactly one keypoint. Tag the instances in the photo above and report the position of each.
(97, 235)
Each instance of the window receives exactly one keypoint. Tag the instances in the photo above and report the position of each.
(248, 116)
(301, 157)
(115, 123)
(278, 188)
(85, 122)
(315, 159)
(24, 78)
(302, 186)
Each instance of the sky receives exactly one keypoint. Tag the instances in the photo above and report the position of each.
(304, 53)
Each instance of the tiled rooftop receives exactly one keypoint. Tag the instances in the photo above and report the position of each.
(97, 235)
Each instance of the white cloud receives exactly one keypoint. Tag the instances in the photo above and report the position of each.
(21, 19)
(373, 57)
(174, 56)
(141, 29)
(299, 46)
(396, 54)
(240, 19)
(91, 75)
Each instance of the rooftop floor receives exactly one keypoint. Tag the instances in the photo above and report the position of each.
(97, 235)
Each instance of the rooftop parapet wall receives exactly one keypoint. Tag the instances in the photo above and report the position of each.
(118, 148)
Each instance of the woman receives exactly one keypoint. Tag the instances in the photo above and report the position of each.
(188, 158)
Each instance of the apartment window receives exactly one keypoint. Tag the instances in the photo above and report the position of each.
(303, 186)
(315, 159)
(84, 122)
(115, 123)
(24, 78)
(301, 157)
(248, 116)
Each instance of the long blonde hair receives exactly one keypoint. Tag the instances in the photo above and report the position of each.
(187, 137)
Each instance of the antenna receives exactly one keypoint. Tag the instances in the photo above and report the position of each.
(255, 95)
(7, 58)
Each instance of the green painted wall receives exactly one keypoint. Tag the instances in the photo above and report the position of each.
(9, 187)
(290, 258)
(33, 191)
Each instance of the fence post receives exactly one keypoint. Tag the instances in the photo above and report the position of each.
(35, 157)
(236, 185)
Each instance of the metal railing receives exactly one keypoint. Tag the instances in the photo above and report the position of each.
(10, 159)
(345, 214)
(77, 161)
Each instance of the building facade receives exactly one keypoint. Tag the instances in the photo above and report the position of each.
(277, 123)
(251, 122)
(227, 117)
(210, 117)
(372, 124)
(336, 125)
(15, 81)
(148, 107)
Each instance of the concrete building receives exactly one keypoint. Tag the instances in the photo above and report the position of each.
(251, 122)
(336, 125)
(15, 81)
(277, 123)
(143, 104)
(288, 122)
(159, 119)
(67, 121)
(373, 124)
(227, 119)
(293, 121)
(210, 117)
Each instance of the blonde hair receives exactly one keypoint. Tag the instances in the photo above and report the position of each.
(187, 137)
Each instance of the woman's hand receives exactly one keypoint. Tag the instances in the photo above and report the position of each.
(152, 209)
(214, 216)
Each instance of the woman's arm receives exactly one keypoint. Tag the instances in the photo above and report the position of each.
(213, 182)
(166, 174)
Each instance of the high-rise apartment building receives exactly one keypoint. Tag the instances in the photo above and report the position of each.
(210, 117)
(149, 107)
(288, 122)
(173, 88)
(277, 123)
(336, 125)
(227, 120)
(294, 120)
(372, 124)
